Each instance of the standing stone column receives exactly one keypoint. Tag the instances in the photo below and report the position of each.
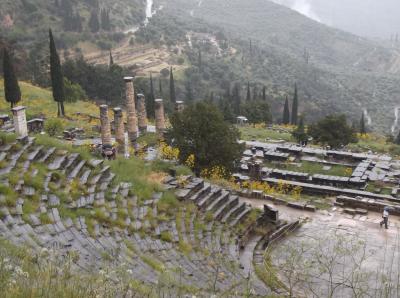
(119, 129)
(142, 114)
(131, 110)
(160, 118)
(19, 118)
(179, 106)
(105, 126)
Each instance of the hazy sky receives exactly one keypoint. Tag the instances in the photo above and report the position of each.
(371, 18)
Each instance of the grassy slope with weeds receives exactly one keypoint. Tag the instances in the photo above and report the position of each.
(39, 102)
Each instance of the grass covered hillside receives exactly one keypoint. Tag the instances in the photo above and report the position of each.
(40, 103)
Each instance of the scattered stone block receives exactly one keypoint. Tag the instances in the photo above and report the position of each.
(311, 208)
(350, 211)
(280, 201)
(361, 211)
(296, 205)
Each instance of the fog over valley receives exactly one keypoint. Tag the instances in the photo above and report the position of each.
(370, 18)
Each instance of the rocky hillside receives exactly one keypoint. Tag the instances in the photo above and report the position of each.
(24, 20)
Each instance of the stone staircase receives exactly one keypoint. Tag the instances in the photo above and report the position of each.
(65, 203)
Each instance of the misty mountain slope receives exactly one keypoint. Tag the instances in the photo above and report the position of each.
(346, 74)
(372, 18)
(277, 25)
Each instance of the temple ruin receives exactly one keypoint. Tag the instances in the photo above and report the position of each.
(105, 126)
(131, 110)
(160, 117)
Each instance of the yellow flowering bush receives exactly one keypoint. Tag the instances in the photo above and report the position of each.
(190, 161)
(281, 189)
(168, 152)
(215, 172)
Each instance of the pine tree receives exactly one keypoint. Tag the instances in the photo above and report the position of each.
(248, 96)
(11, 88)
(295, 106)
(363, 129)
(57, 79)
(94, 24)
(286, 112)
(150, 99)
(264, 94)
(172, 92)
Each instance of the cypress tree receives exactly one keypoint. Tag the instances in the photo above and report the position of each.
(189, 92)
(57, 79)
(212, 97)
(255, 93)
(160, 89)
(363, 129)
(286, 113)
(295, 106)
(397, 140)
(94, 24)
(200, 60)
(11, 88)
(300, 133)
(264, 94)
(236, 99)
(111, 60)
(150, 99)
(248, 96)
(172, 92)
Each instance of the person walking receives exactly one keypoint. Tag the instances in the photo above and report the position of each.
(385, 217)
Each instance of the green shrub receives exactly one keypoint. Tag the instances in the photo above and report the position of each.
(166, 236)
(53, 127)
(73, 92)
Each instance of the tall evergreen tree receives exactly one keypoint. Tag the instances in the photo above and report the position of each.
(295, 106)
(397, 140)
(189, 92)
(200, 60)
(286, 113)
(160, 88)
(212, 97)
(236, 99)
(172, 91)
(57, 79)
(227, 94)
(94, 24)
(150, 99)
(363, 128)
(264, 94)
(300, 132)
(248, 96)
(255, 93)
(11, 88)
(111, 59)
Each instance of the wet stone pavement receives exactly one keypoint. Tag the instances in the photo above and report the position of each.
(376, 250)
